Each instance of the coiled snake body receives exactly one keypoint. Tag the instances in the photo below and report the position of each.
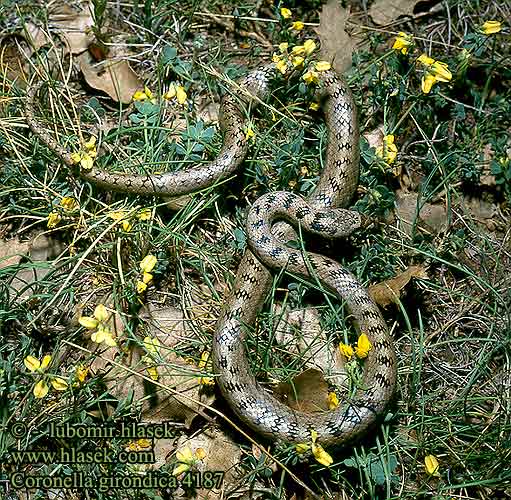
(336, 186)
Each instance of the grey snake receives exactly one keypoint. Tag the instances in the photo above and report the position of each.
(321, 213)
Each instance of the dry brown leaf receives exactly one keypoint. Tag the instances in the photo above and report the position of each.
(115, 78)
(167, 322)
(432, 218)
(300, 332)
(13, 63)
(307, 392)
(221, 454)
(375, 137)
(74, 25)
(336, 44)
(35, 36)
(389, 291)
(385, 11)
(12, 251)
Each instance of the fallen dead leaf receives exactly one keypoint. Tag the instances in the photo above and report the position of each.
(307, 392)
(13, 64)
(375, 137)
(221, 454)
(115, 78)
(431, 217)
(389, 291)
(300, 332)
(74, 25)
(167, 322)
(385, 11)
(12, 251)
(336, 44)
(35, 36)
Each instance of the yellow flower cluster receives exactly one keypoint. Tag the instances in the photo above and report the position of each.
(124, 217)
(41, 388)
(403, 42)
(287, 14)
(152, 347)
(388, 150)
(319, 453)
(175, 91)
(204, 364)
(146, 266)
(98, 324)
(66, 206)
(85, 157)
(187, 459)
(361, 350)
(295, 59)
(436, 71)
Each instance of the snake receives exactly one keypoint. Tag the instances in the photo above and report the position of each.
(271, 222)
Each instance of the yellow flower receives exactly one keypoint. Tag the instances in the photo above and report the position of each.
(283, 47)
(41, 389)
(181, 94)
(314, 106)
(297, 25)
(138, 445)
(86, 161)
(426, 60)
(139, 95)
(144, 214)
(103, 334)
(33, 364)
(285, 13)
(302, 448)
(69, 203)
(276, 57)
(90, 145)
(333, 401)
(81, 373)
(53, 219)
(363, 346)
(98, 323)
(203, 364)
(187, 459)
(281, 65)
(388, 150)
(427, 82)
(171, 93)
(59, 384)
(403, 42)
(298, 50)
(346, 350)
(436, 71)
(76, 157)
(297, 61)
(432, 466)
(311, 77)
(319, 453)
(147, 263)
(441, 72)
(309, 46)
(249, 133)
(322, 66)
(153, 372)
(152, 345)
(491, 27)
(141, 286)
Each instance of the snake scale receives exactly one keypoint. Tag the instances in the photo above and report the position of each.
(321, 213)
